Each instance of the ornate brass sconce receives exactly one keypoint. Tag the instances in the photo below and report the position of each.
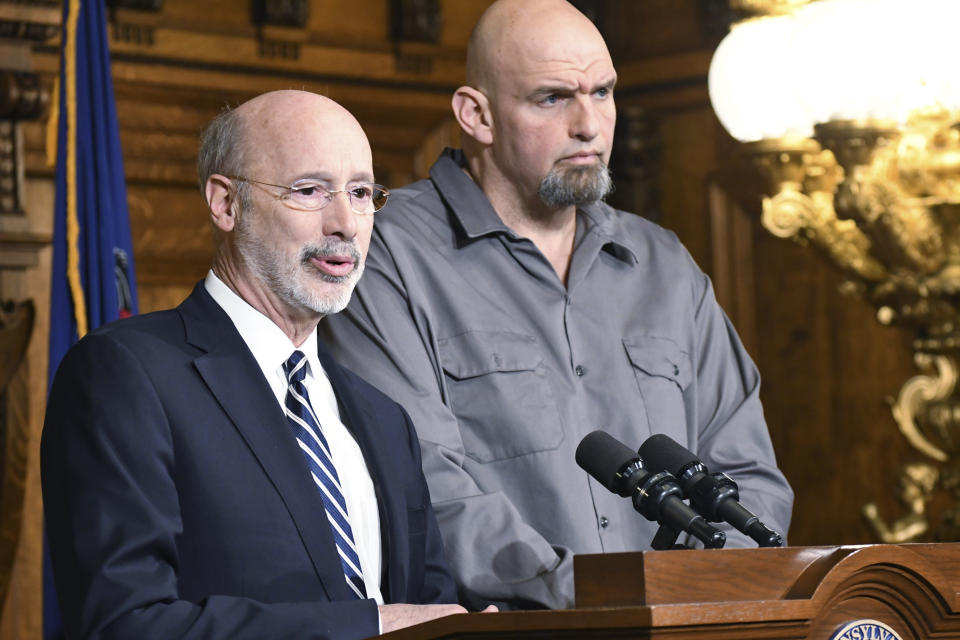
(875, 188)
(883, 205)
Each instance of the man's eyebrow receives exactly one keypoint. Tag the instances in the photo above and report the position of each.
(547, 90)
(566, 89)
(326, 178)
(609, 83)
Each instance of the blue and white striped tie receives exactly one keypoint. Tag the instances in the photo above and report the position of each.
(306, 428)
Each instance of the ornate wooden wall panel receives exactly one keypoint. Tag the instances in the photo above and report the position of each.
(24, 259)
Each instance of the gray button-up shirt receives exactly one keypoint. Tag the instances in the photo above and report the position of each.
(504, 370)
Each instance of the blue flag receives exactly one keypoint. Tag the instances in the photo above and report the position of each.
(93, 279)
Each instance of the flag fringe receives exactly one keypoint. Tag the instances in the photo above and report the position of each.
(73, 225)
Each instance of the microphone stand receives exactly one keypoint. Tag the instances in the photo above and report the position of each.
(649, 493)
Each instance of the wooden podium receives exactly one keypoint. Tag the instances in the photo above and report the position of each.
(741, 594)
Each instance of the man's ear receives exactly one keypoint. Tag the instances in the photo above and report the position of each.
(220, 199)
(472, 110)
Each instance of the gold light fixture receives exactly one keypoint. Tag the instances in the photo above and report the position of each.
(850, 109)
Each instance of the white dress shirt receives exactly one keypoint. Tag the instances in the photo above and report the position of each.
(271, 348)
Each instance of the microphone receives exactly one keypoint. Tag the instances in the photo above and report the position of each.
(713, 495)
(654, 495)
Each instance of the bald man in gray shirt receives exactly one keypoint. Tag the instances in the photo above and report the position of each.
(512, 312)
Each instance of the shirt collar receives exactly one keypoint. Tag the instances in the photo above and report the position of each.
(599, 218)
(476, 217)
(471, 208)
(268, 343)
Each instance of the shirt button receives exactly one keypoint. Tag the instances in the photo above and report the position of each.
(580, 370)
(604, 522)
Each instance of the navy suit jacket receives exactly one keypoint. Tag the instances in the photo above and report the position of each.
(178, 504)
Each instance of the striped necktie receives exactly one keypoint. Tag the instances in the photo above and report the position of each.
(309, 436)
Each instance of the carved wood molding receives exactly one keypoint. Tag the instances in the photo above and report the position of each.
(35, 21)
(281, 13)
(416, 20)
(23, 95)
(273, 49)
(11, 171)
(18, 249)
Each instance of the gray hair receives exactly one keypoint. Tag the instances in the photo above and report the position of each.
(222, 150)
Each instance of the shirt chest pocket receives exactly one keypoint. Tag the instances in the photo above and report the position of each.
(662, 371)
(499, 390)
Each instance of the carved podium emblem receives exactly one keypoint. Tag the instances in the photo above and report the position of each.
(865, 630)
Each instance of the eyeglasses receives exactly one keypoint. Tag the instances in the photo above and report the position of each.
(309, 195)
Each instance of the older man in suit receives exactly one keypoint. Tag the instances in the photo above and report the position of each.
(210, 471)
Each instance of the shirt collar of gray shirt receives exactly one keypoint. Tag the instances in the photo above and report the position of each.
(476, 217)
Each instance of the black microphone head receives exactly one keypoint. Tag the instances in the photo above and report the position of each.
(604, 457)
(662, 453)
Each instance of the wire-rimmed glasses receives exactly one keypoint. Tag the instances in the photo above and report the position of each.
(309, 195)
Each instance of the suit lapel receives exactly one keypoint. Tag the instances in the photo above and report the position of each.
(368, 432)
(236, 381)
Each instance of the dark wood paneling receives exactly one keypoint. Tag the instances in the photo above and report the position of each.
(828, 366)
